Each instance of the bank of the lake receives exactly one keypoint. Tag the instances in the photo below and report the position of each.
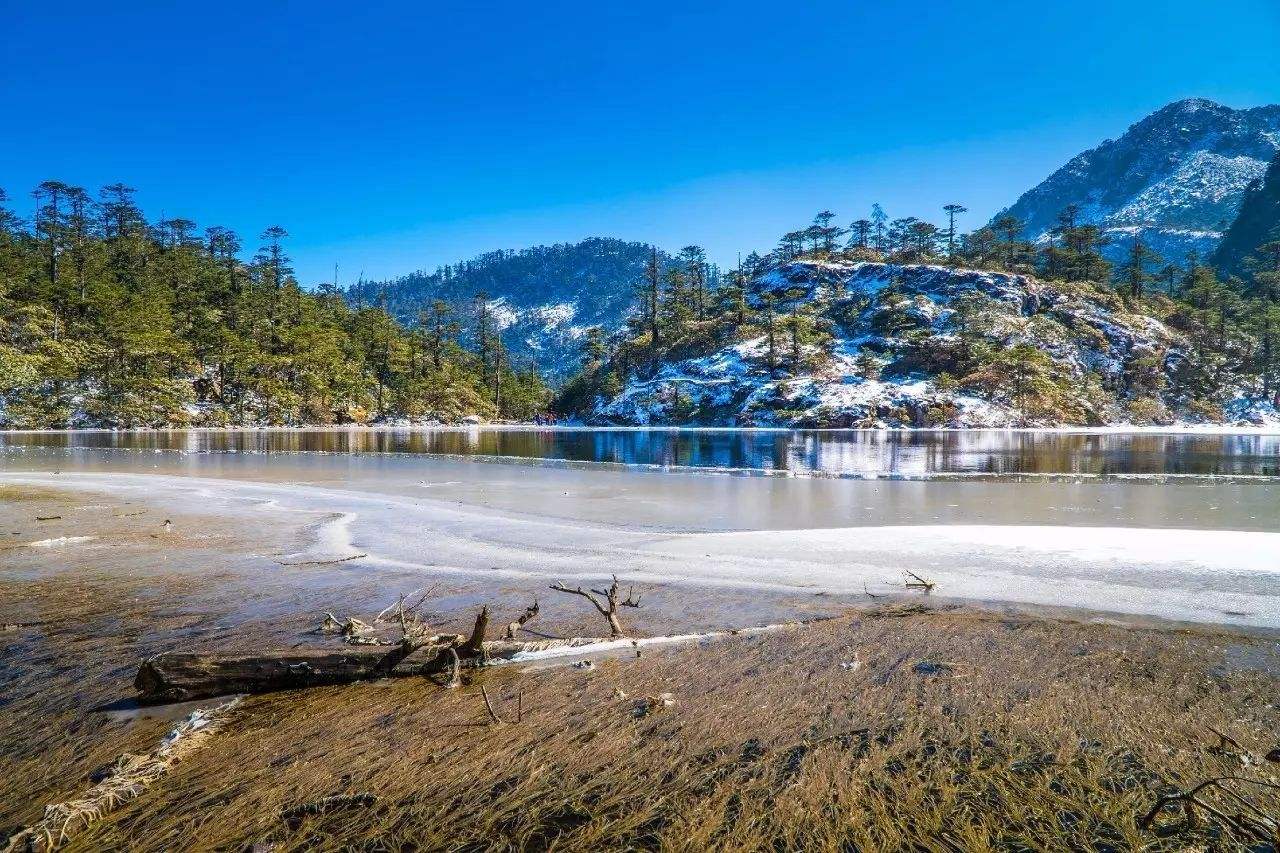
(901, 721)
(1103, 603)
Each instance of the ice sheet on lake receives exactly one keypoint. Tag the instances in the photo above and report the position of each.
(1195, 575)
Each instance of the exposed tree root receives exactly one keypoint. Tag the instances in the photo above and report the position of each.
(126, 779)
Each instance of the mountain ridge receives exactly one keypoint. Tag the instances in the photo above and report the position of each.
(1176, 178)
(542, 299)
(929, 346)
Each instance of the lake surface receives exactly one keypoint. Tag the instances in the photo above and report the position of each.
(850, 453)
(1181, 526)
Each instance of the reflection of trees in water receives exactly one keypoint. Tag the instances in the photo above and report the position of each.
(920, 453)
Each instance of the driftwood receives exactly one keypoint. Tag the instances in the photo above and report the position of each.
(919, 583)
(180, 676)
(128, 778)
(1243, 816)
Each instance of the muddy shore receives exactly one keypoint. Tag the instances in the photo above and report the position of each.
(892, 724)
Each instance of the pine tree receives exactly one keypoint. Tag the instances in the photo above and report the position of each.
(860, 231)
(952, 211)
(878, 220)
(1134, 272)
(1010, 229)
(1263, 267)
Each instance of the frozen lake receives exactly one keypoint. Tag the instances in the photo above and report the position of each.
(1178, 526)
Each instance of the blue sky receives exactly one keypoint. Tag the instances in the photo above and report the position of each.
(390, 137)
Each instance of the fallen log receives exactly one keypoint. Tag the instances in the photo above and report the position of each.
(182, 676)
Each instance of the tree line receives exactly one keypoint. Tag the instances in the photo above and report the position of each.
(109, 319)
(688, 307)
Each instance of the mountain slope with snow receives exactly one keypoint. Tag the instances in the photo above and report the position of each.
(931, 346)
(543, 298)
(1257, 224)
(1177, 178)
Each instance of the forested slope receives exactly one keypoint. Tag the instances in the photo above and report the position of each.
(110, 320)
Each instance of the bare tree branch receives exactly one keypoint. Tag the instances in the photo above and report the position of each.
(608, 609)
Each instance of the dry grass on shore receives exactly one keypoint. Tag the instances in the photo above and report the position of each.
(941, 730)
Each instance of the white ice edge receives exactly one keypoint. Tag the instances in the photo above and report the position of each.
(1207, 576)
(637, 642)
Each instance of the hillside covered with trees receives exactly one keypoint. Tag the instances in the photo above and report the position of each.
(1251, 247)
(902, 323)
(110, 320)
(542, 298)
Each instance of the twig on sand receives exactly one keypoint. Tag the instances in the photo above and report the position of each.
(489, 705)
(324, 562)
(919, 583)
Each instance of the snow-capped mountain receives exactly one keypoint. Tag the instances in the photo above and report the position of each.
(900, 341)
(1176, 178)
(543, 298)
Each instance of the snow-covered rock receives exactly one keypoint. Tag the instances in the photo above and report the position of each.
(876, 374)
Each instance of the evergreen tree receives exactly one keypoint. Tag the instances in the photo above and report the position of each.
(878, 220)
(952, 211)
(1134, 273)
(1010, 229)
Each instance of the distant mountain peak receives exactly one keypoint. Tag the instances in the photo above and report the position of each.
(1190, 105)
(1176, 178)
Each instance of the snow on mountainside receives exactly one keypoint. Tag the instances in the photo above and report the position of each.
(1177, 178)
(542, 298)
(903, 327)
(1257, 224)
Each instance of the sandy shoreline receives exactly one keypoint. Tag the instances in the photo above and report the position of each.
(841, 708)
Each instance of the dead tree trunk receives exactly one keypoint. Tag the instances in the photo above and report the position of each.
(475, 644)
(179, 676)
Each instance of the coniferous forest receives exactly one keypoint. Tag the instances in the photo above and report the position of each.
(109, 319)
(1222, 346)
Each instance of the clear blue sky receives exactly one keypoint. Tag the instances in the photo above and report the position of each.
(389, 137)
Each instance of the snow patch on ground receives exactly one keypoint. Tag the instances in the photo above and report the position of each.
(60, 541)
